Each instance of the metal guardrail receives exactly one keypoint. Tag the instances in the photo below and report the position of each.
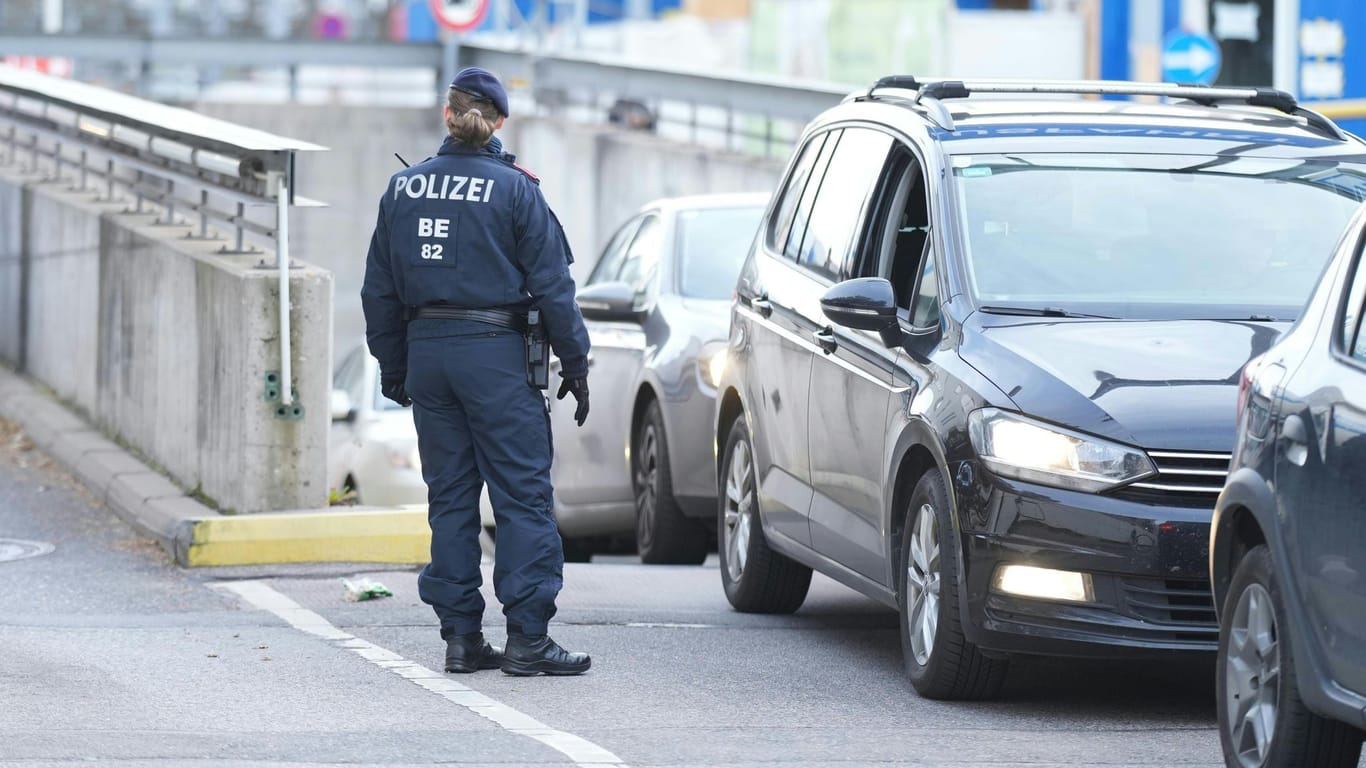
(65, 130)
(224, 51)
(774, 97)
(770, 110)
(708, 107)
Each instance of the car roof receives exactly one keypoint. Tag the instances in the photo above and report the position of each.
(700, 202)
(990, 126)
(1013, 119)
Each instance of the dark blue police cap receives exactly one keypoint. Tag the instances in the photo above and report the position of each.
(481, 83)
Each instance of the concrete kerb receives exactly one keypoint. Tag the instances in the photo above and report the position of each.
(71, 447)
(44, 420)
(192, 533)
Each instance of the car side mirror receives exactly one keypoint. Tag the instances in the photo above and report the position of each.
(342, 407)
(614, 301)
(865, 303)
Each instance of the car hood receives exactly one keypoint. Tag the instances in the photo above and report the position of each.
(1158, 384)
(708, 319)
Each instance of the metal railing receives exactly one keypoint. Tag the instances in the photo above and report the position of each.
(721, 109)
(124, 148)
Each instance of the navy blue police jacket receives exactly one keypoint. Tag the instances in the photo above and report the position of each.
(468, 229)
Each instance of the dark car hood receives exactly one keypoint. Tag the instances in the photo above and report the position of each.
(1158, 384)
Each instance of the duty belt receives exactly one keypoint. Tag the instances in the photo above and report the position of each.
(499, 317)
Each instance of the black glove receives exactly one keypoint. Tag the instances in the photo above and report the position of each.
(577, 386)
(392, 388)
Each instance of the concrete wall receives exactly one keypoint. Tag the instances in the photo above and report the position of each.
(12, 200)
(593, 176)
(165, 343)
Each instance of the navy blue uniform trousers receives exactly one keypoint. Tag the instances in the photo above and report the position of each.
(478, 421)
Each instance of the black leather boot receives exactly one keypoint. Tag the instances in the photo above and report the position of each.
(467, 653)
(539, 655)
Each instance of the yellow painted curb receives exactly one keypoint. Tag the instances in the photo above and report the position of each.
(389, 535)
(1338, 110)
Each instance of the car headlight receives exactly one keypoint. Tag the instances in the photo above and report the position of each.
(1016, 446)
(712, 365)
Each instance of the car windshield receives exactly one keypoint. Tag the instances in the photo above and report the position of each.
(1151, 236)
(712, 244)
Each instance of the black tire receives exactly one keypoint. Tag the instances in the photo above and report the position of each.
(664, 535)
(1298, 736)
(578, 550)
(944, 665)
(763, 581)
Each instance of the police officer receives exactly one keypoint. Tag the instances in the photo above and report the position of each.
(464, 246)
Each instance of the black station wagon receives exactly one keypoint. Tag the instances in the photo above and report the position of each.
(984, 357)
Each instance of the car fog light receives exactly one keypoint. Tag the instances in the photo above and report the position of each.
(1044, 583)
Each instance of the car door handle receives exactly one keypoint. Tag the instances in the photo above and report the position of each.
(761, 305)
(825, 337)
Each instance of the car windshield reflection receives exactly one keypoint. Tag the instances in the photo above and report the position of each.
(1138, 237)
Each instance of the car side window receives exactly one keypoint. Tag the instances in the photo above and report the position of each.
(642, 257)
(780, 225)
(359, 382)
(609, 264)
(925, 308)
(347, 372)
(377, 399)
(898, 239)
(1354, 310)
(802, 216)
(842, 202)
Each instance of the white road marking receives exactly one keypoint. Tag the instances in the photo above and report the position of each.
(666, 625)
(580, 750)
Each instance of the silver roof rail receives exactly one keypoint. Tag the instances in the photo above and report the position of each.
(929, 92)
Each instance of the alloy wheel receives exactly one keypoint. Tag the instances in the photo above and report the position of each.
(1252, 676)
(739, 510)
(647, 483)
(922, 584)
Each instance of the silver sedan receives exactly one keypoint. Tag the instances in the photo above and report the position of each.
(372, 449)
(657, 306)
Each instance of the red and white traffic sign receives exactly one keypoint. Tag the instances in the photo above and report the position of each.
(459, 15)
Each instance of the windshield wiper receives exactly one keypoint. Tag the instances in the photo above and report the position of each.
(1037, 312)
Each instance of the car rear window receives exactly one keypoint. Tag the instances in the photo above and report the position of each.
(712, 244)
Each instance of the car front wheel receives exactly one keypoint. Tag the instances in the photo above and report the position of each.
(940, 661)
(756, 579)
(1263, 722)
(664, 535)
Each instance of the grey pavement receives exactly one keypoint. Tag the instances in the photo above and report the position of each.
(111, 655)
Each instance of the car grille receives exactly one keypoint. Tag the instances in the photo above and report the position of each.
(1140, 611)
(1182, 607)
(1182, 479)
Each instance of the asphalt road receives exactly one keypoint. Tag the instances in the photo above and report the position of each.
(110, 655)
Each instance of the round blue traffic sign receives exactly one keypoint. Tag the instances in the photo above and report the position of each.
(1190, 58)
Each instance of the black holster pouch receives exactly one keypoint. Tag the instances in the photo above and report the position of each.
(537, 351)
